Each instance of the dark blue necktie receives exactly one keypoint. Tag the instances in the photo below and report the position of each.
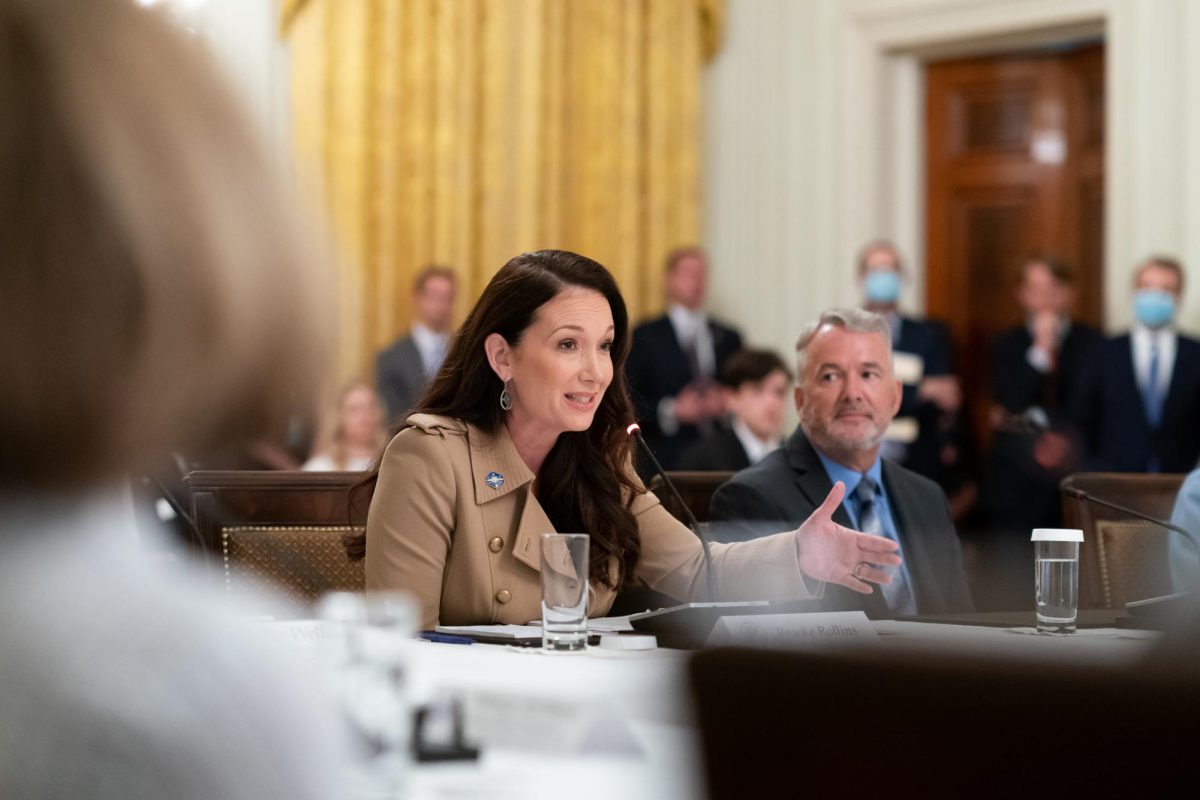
(897, 594)
(1152, 395)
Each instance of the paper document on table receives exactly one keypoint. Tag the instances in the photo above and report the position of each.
(811, 630)
(544, 724)
(609, 624)
(1090, 633)
(303, 632)
(493, 631)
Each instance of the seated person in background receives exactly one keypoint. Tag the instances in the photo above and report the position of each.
(404, 369)
(158, 294)
(1185, 561)
(846, 395)
(675, 360)
(358, 435)
(927, 435)
(523, 433)
(1037, 374)
(754, 384)
(1137, 408)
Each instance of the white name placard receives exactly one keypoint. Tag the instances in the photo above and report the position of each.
(783, 631)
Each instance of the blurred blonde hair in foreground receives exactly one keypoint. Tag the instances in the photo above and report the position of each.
(157, 289)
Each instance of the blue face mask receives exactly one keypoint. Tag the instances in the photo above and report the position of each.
(1153, 308)
(882, 287)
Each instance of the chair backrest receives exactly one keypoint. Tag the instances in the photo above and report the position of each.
(280, 530)
(696, 489)
(1122, 558)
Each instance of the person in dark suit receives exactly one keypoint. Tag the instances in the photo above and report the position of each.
(404, 369)
(846, 397)
(1037, 374)
(927, 435)
(675, 359)
(754, 384)
(1138, 409)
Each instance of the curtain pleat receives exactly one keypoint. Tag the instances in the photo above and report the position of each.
(463, 132)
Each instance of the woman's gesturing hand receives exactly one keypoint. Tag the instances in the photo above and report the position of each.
(836, 554)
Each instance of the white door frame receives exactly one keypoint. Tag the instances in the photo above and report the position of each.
(881, 119)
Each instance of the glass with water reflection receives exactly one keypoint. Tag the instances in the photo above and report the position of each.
(1056, 578)
(564, 591)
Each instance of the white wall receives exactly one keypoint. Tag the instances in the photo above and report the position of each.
(814, 141)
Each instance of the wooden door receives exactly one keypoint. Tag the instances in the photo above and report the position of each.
(1014, 166)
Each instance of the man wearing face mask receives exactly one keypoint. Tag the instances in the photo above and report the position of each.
(1138, 413)
(924, 436)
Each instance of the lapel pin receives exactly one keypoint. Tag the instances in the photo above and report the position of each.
(494, 480)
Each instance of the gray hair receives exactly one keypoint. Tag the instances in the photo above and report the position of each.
(854, 320)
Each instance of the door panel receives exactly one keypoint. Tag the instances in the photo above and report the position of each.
(1014, 166)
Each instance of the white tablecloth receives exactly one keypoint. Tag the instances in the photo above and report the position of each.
(610, 724)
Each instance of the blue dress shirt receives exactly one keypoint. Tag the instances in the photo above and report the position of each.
(838, 472)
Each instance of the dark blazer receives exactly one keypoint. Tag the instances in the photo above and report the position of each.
(720, 451)
(1112, 416)
(929, 340)
(789, 484)
(400, 377)
(925, 456)
(1018, 494)
(657, 369)
(1017, 386)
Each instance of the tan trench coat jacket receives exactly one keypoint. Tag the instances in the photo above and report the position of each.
(454, 522)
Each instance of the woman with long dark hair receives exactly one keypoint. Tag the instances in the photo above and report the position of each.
(523, 433)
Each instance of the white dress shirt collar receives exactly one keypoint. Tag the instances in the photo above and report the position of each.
(691, 327)
(755, 447)
(431, 345)
(1144, 340)
(687, 321)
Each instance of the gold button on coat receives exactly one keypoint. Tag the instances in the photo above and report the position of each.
(496, 544)
(503, 596)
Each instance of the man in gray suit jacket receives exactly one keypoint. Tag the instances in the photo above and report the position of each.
(846, 395)
(403, 370)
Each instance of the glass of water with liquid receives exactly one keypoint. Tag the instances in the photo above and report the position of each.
(1056, 578)
(564, 591)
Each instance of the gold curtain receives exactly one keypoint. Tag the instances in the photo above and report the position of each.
(463, 132)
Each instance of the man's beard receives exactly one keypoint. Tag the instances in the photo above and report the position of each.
(820, 434)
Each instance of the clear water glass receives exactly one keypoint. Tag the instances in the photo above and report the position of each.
(372, 659)
(564, 591)
(1056, 578)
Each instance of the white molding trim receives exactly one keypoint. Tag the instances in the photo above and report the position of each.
(883, 118)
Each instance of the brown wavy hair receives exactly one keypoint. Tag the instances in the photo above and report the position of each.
(586, 481)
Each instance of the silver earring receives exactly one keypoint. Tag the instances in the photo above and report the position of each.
(505, 398)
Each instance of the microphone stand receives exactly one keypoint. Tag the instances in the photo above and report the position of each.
(1149, 604)
(690, 624)
(714, 591)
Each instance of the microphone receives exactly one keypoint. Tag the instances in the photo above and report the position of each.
(635, 430)
(689, 625)
(1166, 601)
